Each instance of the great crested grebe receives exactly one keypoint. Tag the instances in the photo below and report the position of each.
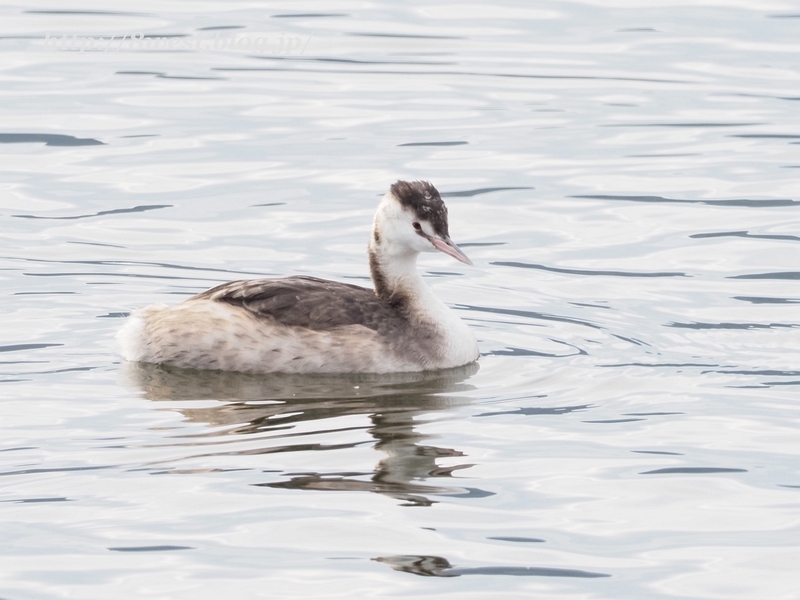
(308, 325)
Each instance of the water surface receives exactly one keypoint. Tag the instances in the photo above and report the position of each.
(625, 180)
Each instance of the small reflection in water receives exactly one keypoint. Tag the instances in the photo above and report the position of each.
(149, 548)
(539, 410)
(512, 538)
(277, 403)
(48, 139)
(436, 566)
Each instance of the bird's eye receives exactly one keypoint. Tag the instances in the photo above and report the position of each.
(417, 226)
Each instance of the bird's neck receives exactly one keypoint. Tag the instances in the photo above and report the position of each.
(398, 282)
(397, 279)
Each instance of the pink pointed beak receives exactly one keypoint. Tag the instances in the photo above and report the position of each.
(448, 247)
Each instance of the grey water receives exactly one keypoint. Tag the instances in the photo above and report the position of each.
(626, 178)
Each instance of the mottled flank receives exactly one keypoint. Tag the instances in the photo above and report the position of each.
(426, 203)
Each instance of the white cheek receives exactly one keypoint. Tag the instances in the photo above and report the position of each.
(423, 245)
(399, 236)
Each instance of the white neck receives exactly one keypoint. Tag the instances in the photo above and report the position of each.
(396, 277)
(398, 281)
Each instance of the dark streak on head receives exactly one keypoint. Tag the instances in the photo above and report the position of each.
(425, 202)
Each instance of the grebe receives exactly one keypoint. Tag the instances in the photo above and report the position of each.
(308, 325)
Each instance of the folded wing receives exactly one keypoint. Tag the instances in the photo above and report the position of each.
(308, 302)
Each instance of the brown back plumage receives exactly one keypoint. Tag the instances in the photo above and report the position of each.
(308, 302)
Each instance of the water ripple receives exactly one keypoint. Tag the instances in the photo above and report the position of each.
(711, 202)
(48, 139)
(521, 265)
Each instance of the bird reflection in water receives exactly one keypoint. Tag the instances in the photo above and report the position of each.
(277, 403)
